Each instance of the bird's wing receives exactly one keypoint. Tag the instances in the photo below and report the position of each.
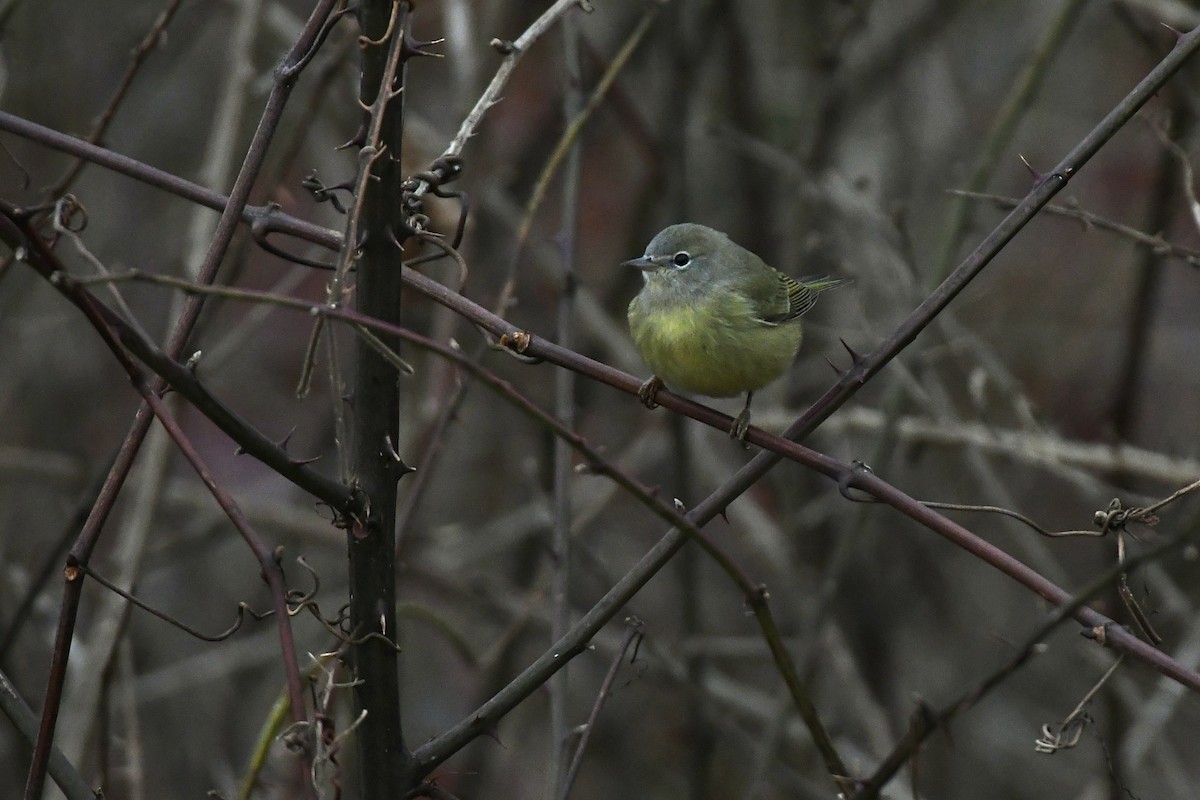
(793, 298)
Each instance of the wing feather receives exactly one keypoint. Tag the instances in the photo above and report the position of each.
(800, 296)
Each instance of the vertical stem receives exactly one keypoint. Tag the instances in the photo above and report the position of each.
(375, 402)
(679, 109)
(564, 409)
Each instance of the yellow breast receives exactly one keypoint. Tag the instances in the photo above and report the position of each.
(715, 347)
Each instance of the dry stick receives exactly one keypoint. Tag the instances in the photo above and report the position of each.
(512, 54)
(1155, 242)
(1038, 449)
(566, 145)
(633, 633)
(564, 410)
(262, 219)
(285, 78)
(272, 573)
(574, 128)
(150, 41)
(373, 149)
(1065, 734)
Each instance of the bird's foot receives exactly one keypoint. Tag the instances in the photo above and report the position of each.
(648, 390)
(741, 424)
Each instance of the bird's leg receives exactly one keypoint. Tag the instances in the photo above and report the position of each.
(648, 390)
(742, 422)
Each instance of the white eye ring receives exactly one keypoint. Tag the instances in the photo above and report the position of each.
(681, 259)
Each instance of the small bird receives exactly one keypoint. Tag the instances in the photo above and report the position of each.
(713, 319)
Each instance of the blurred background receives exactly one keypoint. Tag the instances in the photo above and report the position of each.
(825, 135)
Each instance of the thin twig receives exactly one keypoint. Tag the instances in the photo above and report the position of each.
(61, 770)
(1155, 242)
(512, 54)
(564, 146)
(1038, 448)
(633, 634)
(562, 473)
(149, 42)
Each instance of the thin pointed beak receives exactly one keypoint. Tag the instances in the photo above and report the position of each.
(644, 263)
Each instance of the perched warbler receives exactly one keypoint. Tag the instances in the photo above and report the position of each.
(713, 319)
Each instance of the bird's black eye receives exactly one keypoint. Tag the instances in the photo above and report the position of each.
(682, 258)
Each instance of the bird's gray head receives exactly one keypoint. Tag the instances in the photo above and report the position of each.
(685, 248)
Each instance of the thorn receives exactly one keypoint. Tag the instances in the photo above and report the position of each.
(841, 373)
(854, 356)
(390, 450)
(1037, 176)
(1178, 34)
(724, 514)
(283, 443)
(493, 734)
(414, 47)
(358, 139)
